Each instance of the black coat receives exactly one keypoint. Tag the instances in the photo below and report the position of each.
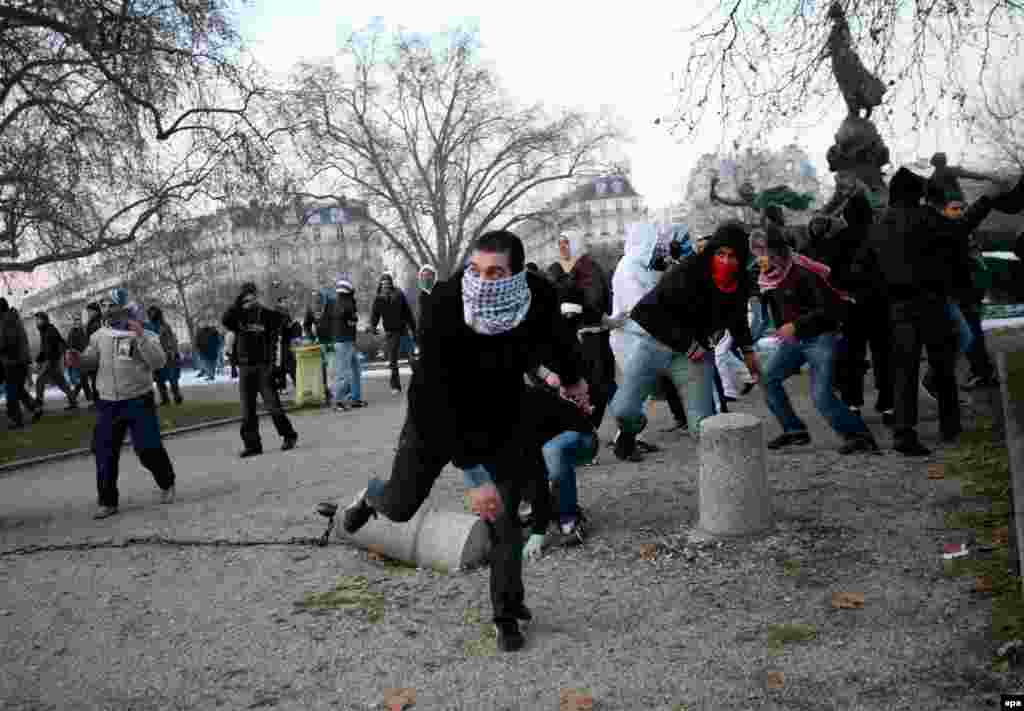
(51, 344)
(78, 339)
(686, 306)
(339, 319)
(259, 335)
(394, 312)
(805, 300)
(467, 396)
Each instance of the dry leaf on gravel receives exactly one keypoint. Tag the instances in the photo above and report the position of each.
(776, 680)
(648, 551)
(983, 584)
(399, 699)
(575, 700)
(936, 471)
(374, 555)
(1001, 536)
(847, 600)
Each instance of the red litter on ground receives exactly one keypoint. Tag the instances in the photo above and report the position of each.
(954, 550)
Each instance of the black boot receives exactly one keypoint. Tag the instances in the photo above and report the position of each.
(164, 398)
(176, 391)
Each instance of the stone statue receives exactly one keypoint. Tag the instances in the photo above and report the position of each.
(858, 154)
(946, 178)
(860, 88)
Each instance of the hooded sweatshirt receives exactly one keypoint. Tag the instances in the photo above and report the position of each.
(124, 363)
(393, 310)
(686, 306)
(633, 277)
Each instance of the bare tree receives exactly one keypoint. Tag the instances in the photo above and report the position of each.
(112, 111)
(426, 137)
(1000, 127)
(760, 64)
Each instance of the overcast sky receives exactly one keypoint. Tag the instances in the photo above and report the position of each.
(576, 54)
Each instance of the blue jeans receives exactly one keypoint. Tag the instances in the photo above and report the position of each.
(818, 353)
(561, 454)
(645, 358)
(75, 376)
(965, 336)
(114, 419)
(759, 320)
(347, 374)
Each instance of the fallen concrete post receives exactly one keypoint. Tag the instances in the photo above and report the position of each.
(734, 497)
(443, 540)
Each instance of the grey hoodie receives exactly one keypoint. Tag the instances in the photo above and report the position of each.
(124, 362)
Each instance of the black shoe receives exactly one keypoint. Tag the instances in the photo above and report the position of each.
(524, 615)
(510, 639)
(250, 452)
(178, 399)
(73, 405)
(358, 403)
(860, 443)
(357, 514)
(626, 448)
(16, 426)
(787, 439)
(37, 415)
(729, 399)
(165, 401)
(646, 447)
(888, 418)
(679, 427)
(951, 436)
(289, 443)
(747, 388)
(911, 448)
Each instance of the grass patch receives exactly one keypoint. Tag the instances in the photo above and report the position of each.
(487, 643)
(983, 466)
(781, 635)
(351, 593)
(791, 568)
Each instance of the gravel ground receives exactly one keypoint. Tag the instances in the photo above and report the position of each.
(639, 617)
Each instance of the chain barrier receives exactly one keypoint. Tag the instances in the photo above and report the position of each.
(160, 541)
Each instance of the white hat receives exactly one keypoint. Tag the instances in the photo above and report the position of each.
(344, 286)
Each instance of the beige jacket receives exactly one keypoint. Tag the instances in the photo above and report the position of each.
(124, 363)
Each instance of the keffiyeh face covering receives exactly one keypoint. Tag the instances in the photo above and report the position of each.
(493, 307)
(780, 260)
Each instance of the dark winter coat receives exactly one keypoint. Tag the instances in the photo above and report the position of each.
(394, 311)
(78, 339)
(258, 334)
(805, 300)
(686, 306)
(339, 319)
(14, 348)
(467, 394)
(589, 278)
(51, 344)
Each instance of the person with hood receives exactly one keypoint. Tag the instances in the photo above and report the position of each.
(867, 316)
(469, 404)
(808, 310)
(124, 356)
(171, 371)
(392, 308)
(684, 314)
(257, 349)
(338, 326)
(16, 359)
(426, 280)
(93, 323)
(207, 348)
(77, 340)
(585, 300)
(50, 362)
(920, 259)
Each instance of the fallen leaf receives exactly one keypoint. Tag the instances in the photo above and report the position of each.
(374, 555)
(648, 551)
(936, 471)
(575, 700)
(776, 680)
(847, 600)
(399, 699)
(983, 584)
(1001, 536)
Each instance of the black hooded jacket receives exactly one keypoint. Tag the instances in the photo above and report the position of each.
(259, 331)
(839, 251)
(914, 248)
(393, 310)
(686, 306)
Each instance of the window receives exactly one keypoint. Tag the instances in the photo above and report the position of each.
(274, 255)
(316, 233)
(341, 232)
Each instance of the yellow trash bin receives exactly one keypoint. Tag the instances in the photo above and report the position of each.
(309, 382)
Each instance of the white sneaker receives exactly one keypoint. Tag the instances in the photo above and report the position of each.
(167, 496)
(396, 392)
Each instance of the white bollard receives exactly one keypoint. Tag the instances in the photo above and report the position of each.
(443, 540)
(734, 497)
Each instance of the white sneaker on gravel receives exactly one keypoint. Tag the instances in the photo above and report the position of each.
(166, 496)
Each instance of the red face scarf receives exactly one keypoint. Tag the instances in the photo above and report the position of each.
(723, 272)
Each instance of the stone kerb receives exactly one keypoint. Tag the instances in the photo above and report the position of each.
(445, 541)
(734, 496)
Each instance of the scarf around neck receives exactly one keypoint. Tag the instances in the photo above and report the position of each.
(494, 307)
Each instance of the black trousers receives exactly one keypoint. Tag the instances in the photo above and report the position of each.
(923, 324)
(867, 324)
(16, 392)
(517, 466)
(394, 344)
(255, 381)
(675, 403)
